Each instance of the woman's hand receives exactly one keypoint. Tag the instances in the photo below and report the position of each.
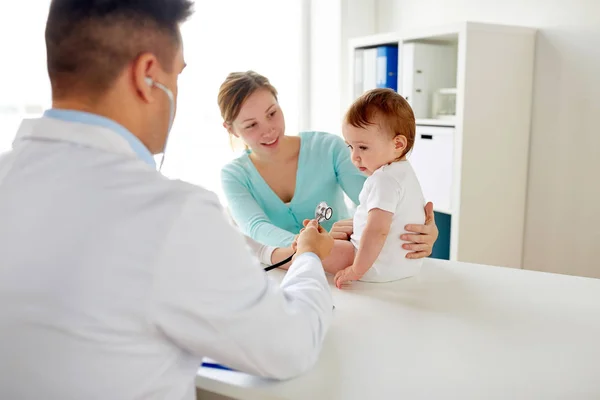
(342, 230)
(423, 236)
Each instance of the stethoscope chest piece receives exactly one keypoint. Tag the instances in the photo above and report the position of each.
(323, 212)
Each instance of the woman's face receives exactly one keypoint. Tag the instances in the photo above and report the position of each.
(260, 123)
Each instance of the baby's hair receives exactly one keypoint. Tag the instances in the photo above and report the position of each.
(386, 108)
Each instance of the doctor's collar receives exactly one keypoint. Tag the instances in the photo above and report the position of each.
(93, 119)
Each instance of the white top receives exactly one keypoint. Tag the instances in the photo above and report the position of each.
(115, 281)
(263, 252)
(455, 331)
(394, 188)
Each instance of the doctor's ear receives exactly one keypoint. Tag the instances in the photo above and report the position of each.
(144, 68)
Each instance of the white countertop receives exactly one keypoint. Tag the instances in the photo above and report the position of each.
(456, 331)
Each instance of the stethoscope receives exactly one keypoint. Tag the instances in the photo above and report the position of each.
(322, 213)
(169, 94)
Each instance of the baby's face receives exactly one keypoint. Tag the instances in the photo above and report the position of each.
(371, 147)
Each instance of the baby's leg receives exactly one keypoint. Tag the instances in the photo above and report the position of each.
(341, 256)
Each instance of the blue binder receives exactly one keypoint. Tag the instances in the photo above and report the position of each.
(387, 67)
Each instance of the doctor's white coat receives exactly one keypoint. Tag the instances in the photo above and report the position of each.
(115, 281)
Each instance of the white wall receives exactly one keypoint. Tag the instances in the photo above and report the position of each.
(325, 39)
(359, 18)
(23, 76)
(23, 64)
(562, 231)
(333, 22)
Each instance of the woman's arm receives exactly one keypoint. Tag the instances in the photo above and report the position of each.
(282, 253)
(249, 216)
(263, 252)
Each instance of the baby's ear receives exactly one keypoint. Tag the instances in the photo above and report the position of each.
(400, 142)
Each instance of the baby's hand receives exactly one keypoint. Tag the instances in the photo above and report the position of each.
(348, 274)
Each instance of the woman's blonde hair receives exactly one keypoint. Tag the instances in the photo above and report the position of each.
(238, 86)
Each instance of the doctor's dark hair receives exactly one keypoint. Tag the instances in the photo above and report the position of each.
(90, 42)
(386, 108)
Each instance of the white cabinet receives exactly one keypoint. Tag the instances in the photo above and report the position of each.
(471, 161)
(431, 159)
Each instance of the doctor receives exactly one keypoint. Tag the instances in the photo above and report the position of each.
(115, 281)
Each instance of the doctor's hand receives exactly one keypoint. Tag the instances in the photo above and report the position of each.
(424, 236)
(314, 239)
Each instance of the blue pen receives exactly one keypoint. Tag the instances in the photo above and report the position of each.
(216, 366)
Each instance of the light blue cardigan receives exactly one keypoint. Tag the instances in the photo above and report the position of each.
(325, 172)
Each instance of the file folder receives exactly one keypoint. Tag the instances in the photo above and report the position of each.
(387, 67)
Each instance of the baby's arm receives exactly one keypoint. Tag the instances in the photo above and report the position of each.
(372, 241)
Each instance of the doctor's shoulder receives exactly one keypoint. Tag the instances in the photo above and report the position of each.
(179, 192)
(6, 155)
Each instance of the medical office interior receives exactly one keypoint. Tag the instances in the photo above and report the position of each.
(506, 97)
(513, 173)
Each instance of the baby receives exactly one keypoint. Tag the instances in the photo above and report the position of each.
(379, 129)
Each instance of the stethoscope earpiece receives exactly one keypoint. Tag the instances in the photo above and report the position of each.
(150, 82)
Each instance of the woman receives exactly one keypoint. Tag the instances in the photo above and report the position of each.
(277, 183)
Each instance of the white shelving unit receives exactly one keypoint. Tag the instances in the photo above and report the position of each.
(491, 69)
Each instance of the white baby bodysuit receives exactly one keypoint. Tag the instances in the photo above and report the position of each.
(394, 188)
